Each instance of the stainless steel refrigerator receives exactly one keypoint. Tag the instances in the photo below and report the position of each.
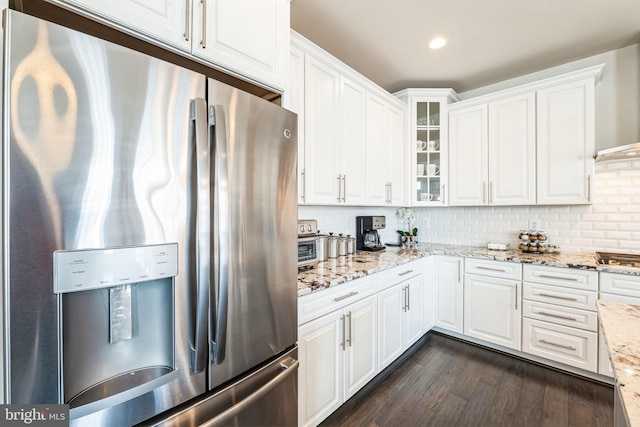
(148, 238)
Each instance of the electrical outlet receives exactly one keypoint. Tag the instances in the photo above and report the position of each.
(426, 223)
(534, 224)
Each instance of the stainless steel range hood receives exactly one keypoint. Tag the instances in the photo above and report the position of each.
(623, 152)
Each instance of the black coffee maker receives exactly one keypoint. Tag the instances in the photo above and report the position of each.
(367, 237)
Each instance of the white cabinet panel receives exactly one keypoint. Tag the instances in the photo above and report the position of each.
(360, 363)
(293, 100)
(449, 295)
(566, 145)
(492, 309)
(352, 142)
(390, 324)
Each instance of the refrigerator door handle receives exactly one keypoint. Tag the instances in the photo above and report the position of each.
(199, 250)
(289, 367)
(220, 217)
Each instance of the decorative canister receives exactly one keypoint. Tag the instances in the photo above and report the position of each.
(351, 245)
(333, 246)
(322, 247)
(342, 245)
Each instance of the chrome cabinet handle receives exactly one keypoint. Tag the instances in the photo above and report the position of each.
(339, 187)
(484, 192)
(501, 270)
(340, 298)
(304, 185)
(344, 332)
(558, 297)
(203, 42)
(405, 273)
(546, 276)
(490, 192)
(588, 188)
(187, 20)
(568, 347)
(544, 313)
(199, 229)
(350, 328)
(390, 192)
(459, 271)
(516, 297)
(220, 150)
(408, 298)
(344, 188)
(443, 194)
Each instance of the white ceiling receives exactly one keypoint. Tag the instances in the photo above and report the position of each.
(487, 40)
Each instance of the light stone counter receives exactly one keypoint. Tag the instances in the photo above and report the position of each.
(344, 269)
(621, 327)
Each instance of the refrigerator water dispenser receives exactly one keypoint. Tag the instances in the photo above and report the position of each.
(116, 335)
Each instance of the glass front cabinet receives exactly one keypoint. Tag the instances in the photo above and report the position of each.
(428, 144)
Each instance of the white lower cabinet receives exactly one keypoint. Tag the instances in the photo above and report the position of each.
(492, 306)
(338, 349)
(449, 294)
(560, 315)
(399, 319)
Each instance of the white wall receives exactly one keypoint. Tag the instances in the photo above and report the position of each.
(617, 94)
(611, 223)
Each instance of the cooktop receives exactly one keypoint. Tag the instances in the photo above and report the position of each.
(612, 258)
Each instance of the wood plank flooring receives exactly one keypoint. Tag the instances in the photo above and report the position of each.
(451, 383)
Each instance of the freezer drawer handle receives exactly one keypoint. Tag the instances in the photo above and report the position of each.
(345, 296)
(568, 347)
(289, 366)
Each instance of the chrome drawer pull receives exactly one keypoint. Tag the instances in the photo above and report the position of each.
(350, 294)
(544, 313)
(568, 347)
(572, 279)
(480, 267)
(559, 297)
(405, 273)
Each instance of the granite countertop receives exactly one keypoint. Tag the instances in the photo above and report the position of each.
(621, 327)
(344, 269)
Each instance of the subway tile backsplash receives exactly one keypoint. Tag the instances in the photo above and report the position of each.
(611, 223)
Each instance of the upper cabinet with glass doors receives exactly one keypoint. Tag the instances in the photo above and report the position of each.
(428, 144)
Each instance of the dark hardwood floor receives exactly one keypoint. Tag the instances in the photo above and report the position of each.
(451, 383)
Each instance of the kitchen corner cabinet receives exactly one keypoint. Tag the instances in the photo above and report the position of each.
(337, 350)
(399, 310)
(449, 293)
(566, 142)
(385, 152)
(428, 143)
(492, 148)
(492, 301)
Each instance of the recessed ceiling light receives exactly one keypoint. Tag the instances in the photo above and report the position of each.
(437, 43)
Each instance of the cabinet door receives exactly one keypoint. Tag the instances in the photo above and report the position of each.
(565, 147)
(394, 163)
(413, 311)
(468, 151)
(168, 21)
(377, 182)
(512, 151)
(352, 145)
(492, 310)
(320, 376)
(293, 100)
(449, 293)
(247, 37)
(428, 294)
(360, 363)
(321, 132)
(390, 323)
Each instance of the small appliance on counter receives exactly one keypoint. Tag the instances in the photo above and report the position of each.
(367, 237)
(308, 246)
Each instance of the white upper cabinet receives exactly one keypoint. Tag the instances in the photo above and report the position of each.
(384, 152)
(164, 21)
(533, 144)
(247, 37)
(566, 143)
(352, 142)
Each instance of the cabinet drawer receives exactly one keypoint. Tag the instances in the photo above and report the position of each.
(568, 277)
(395, 275)
(557, 295)
(620, 284)
(320, 303)
(574, 317)
(501, 269)
(575, 347)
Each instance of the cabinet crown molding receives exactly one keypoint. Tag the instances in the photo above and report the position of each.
(595, 72)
